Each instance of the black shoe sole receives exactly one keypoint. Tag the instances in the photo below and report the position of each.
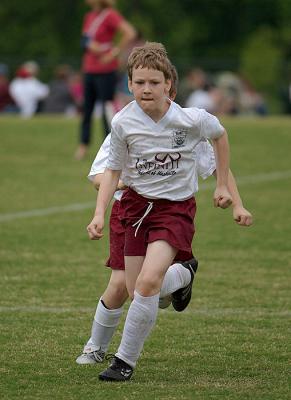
(109, 379)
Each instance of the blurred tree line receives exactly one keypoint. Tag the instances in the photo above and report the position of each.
(249, 36)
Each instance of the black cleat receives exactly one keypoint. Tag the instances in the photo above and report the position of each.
(117, 371)
(182, 297)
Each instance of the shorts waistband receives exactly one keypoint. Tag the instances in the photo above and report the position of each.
(134, 194)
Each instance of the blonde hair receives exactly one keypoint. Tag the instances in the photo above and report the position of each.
(151, 55)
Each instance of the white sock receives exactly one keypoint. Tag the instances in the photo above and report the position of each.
(104, 325)
(175, 278)
(140, 319)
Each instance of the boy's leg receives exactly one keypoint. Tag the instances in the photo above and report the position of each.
(177, 284)
(109, 307)
(132, 271)
(176, 277)
(116, 293)
(143, 310)
(108, 312)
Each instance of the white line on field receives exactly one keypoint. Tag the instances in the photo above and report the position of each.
(258, 178)
(46, 211)
(215, 312)
(244, 180)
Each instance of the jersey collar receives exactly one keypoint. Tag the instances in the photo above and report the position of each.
(150, 122)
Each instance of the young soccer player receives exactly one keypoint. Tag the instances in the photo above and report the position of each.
(110, 306)
(154, 140)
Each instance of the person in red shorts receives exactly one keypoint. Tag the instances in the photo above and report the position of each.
(154, 141)
(100, 61)
(110, 306)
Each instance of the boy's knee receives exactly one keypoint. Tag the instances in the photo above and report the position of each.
(147, 285)
(115, 294)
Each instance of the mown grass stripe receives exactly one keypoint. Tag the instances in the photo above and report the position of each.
(203, 311)
(244, 180)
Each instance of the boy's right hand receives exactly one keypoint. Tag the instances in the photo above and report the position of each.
(95, 228)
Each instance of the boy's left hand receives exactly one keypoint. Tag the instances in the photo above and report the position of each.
(242, 216)
(222, 197)
(95, 227)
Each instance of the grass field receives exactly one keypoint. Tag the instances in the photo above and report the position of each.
(232, 342)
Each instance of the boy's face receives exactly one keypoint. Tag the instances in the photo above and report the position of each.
(150, 89)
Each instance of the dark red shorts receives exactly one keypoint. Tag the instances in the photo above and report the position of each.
(117, 239)
(171, 221)
(117, 236)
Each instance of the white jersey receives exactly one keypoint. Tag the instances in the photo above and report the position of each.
(161, 158)
(27, 92)
(205, 162)
(100, 162)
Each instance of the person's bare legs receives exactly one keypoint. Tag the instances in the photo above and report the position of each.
(81, 151)
(132, 271)
(116, 293)
(159, 257)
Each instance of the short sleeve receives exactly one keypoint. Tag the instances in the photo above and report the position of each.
(114, 19)
(205, 159)
(118, 149)
(99, 164)
(210, 127)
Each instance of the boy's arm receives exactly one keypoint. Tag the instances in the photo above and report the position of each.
(240, 214)
(107, 188)
(97, 181)
(222, 197)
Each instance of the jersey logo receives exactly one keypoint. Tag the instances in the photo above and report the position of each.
(163, 158)
(164, 164)
(178, 138)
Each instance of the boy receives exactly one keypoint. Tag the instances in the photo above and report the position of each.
(110, 306)
(156, 139)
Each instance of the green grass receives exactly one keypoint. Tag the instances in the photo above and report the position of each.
(233, 342)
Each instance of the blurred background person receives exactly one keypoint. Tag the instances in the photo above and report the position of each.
(100, 62)
(230, 88)
(123, 95)
(26, 90)
(6, 102)
(251, 102)
(77, 90)
(200, 95)
(285, 93)
(60, 99)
